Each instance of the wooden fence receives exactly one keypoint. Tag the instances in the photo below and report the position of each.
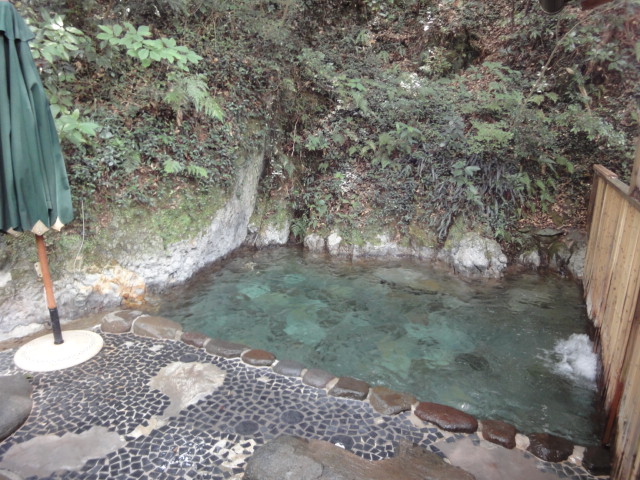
(612, 292)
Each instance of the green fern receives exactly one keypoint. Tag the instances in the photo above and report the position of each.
(187, 90)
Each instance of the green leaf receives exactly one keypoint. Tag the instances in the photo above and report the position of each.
(193, 57)
(197, 171)
(153, 44)
(537, 99)
(117, 30)
(470, 170)
(143, 31)
(564, 161)
(55, 110)
(169, 42)
(552, 96)
(47, 56)
(172, 166)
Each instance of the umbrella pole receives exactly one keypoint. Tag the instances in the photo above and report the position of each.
(48, 288)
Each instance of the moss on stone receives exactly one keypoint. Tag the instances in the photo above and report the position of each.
(420, 236)
(274, 210)
(176, 216)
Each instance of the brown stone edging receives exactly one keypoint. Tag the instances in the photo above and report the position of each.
(385, 401)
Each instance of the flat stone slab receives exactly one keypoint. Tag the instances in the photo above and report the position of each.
(347, 387)
(390, 402)
(447, 418)
(289, 457)
(15, 403)
(315, 377)
(488, 461)
(196, 339)
(289, 368)
(43, 454)
(119, 321)
(258, 358)
(186, 383)
(225, 349)
(157, 327)
(501, 433)
(549, 447)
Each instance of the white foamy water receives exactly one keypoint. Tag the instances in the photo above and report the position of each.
(574, 357)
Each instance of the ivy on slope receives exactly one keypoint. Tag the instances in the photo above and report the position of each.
(492, 141)
(405, 113)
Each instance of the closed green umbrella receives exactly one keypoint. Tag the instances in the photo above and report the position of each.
(34, 189)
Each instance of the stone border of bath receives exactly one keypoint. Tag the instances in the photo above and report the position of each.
(544, 446)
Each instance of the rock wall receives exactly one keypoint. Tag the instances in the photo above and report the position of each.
(471, 255)
(140, 261)
(133, 271)
(381, 247)
(227, 231)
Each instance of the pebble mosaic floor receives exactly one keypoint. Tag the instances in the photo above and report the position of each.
(210, 439)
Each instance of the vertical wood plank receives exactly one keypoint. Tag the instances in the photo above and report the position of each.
(634, 188)
(612, 291)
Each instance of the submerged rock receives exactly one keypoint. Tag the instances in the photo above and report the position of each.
(474, 361)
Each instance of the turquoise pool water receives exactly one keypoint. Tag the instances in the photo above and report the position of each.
(514, 349)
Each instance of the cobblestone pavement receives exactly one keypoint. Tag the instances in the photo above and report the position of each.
(106, 413)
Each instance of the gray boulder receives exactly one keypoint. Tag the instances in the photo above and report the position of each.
(475, 256)
(314, 243)
(271, 233)
(575, 266)
(15, 398)
(530, 259)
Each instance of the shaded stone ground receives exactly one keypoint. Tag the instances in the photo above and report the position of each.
(160, 408)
